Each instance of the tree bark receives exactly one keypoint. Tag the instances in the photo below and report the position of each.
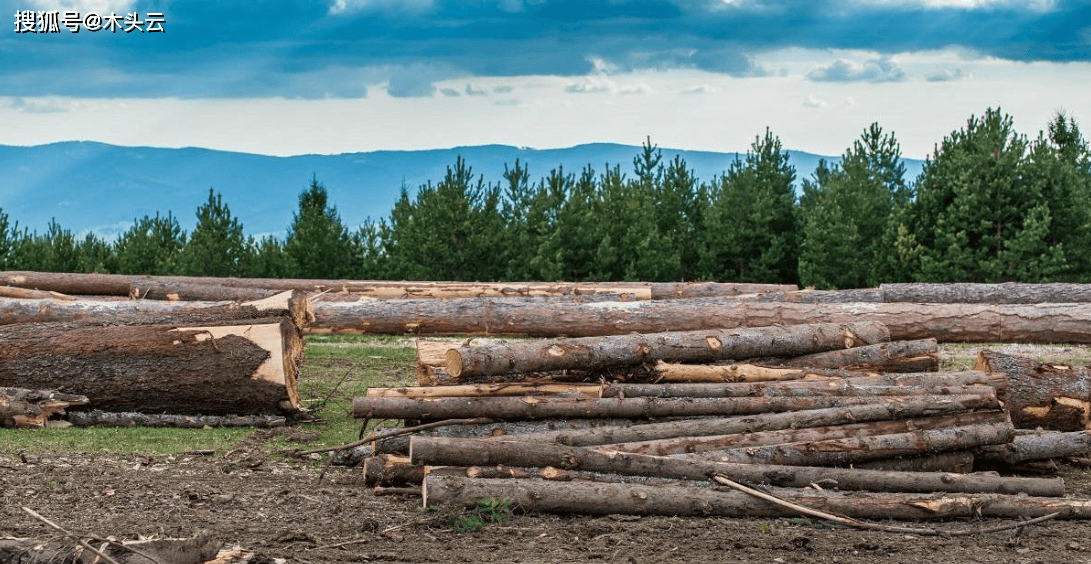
(843, 452)
(921, 355)
(684, 445)
(472, 452)
(1043, 445)
(1047, 395)
(99, 418)
(956, 462)
(593, 353)
(122, 285)
(546, 408)
(196, 550)
(1003, 293)
(207, 369)
(23, 408)
(627, 432)
(1045, 323)
(575, 498)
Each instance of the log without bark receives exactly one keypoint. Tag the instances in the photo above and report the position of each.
(547, 408)
(626, 350)
(121, 285)
(23, 408)
(1043, 445)
(472, 452)
(1045, 323)
(393, 470)
(843, 452)
(1047, 395)
(683, 445)
(1003, 293)
(99, 418)
(25, 294)
(921, 355)
(672, 372)
(892, 408)
(217, 370)
(567, 498)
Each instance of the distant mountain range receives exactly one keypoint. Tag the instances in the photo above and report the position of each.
(102, 188)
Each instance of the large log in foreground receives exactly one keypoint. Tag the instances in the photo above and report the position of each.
(971, 293)
(568, 498)
(592, 353)
(247, 368)
(1047, 395)
(473, 452)
(1045, 323)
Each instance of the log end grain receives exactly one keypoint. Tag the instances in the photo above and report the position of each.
(453, 362)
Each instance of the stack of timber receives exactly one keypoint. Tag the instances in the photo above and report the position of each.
(231, 359)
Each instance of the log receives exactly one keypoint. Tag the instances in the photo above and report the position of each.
(244, 369)
(847, 451)
(1003, 293)
(568, 498)
(1043, 445)
(1047, 395)
(25, 294)
(389, 470)
(201, 548)
(957, 462)
(693, 373)
(683, 445)
(900, 408)
(99, 418)
(472, 452)
(547, 408)
(921, 355)
(23, 408)
(121, 285)
(1044, 323)
(592, 353)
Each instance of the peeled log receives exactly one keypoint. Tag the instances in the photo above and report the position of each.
(219, 370)
(568, 498)
(1047, 395)
(547, 408)
(473, 452)
(1044, 323)
(591, 353)
(921, 355)
(23, 408)
(1003, 293)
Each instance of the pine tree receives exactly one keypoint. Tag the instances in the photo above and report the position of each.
(150, 246)
(318, 244)
(1061, 161)
(217, 246)
(9, 237)
(266, 259)
(750, 227)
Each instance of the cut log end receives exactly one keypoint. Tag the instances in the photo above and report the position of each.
(453, 362)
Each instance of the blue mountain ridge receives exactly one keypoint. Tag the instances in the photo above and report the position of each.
(101, 188)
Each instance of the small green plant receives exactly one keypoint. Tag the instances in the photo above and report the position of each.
(767, 528)
(474, 517)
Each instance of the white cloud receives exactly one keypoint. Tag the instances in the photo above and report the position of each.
(945, 75)
(40, 105)
(699, 89)
(83, 6)
(472, 91)
(1039, 5)
(450, 92)
(882, 69)
(393, 6)
(813, 101)
(590, 85)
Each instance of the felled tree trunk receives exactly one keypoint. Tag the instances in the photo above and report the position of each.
(1047, 395)
(693, 373)
(546, 407)
(576, 498)
(212, 369)
(472, 452)
(99, 418)
(1042, 445)
(1003, 293)
(1044, 323)
(26, 294)
(921, 355)
(956, 462)
(592, 353)
(23, 408)
(201, 548)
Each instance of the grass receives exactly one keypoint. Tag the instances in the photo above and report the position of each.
(330, 377)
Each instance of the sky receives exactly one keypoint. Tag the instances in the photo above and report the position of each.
(296, 77)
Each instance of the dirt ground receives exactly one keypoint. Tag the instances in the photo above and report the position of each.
(278, 509)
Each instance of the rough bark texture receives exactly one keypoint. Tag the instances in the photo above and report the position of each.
(1003, 293)
(201, 548)
(99, 418)
(471, 452)
(1045, 323)
(592, 353)
(1050, 396)
(218, 370)
(568, 498)
(546, 408)
(901, 408)
(1043, 445)
(921, 355)
(957, 462)
(23, 408)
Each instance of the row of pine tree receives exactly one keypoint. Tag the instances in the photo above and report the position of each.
(990, 205)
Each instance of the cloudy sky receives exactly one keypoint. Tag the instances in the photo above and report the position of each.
(333, 76)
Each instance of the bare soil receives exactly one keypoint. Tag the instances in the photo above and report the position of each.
(279, 509)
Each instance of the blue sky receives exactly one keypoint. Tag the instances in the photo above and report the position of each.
(333, 76)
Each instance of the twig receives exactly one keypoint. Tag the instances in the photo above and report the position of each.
(339, 545)
(721, 479)
(380, 434)
(326, 399)
(71, 536)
